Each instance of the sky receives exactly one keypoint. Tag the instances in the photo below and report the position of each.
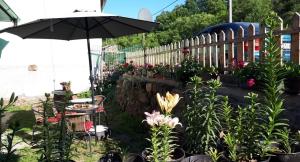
(130, 8)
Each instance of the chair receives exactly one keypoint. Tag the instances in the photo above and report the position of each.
(79, 125)
(99, 100)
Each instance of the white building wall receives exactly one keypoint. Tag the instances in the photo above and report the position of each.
(57, 61)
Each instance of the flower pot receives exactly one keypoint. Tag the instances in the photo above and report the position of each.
(292, 85)
(229, 79)
(197, 158)
(111, 156)
(293, 157)
(132, 157)
(178, 155)
(266, 160)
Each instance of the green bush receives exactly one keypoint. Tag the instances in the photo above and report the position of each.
(187, 69)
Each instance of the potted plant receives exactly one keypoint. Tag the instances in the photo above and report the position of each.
(163, 146)
(187, 69)
(292, 78)
(159, 71)
(249, 75)
(208, 73)
(287, 153)
(204, 105)
(243, 131)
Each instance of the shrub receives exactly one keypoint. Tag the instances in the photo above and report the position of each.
(187, 69)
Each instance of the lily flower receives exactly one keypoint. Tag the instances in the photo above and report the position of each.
(167, 103)
(154, 118)
(172, 122)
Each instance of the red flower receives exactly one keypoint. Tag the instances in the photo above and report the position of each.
(150, 66)
(250, 82)
(125, 65)
(241, 64)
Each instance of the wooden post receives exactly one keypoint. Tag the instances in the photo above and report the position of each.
(197, 49)
(172, 55)
(202, 58)
(175, 53)
(181, 51)
(279, 40)
(222, 55)
(178, 61)
(208, 49)
(168, 54)
(230, 47)
(262, 53)
(215, 50)
(192, 49)
(185, 49)
(295, 46)
(251, 43)
(240, 45)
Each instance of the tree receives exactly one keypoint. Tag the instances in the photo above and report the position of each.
(286, 9)
(251, 10)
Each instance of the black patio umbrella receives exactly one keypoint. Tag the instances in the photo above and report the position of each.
(83, 27)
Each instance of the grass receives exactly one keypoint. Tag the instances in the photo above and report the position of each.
(128, 135)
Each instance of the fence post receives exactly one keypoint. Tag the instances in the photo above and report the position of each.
(181, 56)
(197, 49)
(152, 56)
(171, 55)
(222, 56)
(240, 45)
(178, 53)
(174, 53)
(262, 52)
(230, 47)
(251, 43)
(295, 51)
(192, 49)
(215, 50)
(203, 57)
(186, 50)
(208, 48)
(165, 55)
(279, 40)
(168, 54)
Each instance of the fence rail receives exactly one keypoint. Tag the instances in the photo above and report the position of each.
(219, 49)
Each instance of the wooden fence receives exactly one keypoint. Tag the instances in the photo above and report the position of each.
(219, 49)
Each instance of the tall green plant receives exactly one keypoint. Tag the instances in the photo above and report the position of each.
(48, 135)
(203, 108)
(243, 129)
(65, 139)
(10, 144)
(3, 109)
(272, 75)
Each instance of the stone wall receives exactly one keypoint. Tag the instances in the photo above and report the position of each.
(137, 94)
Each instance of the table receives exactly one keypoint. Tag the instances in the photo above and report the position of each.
(91, 110)
(88, 110)
(81, 101)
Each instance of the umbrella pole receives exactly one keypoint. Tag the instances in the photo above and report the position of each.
(90, 61)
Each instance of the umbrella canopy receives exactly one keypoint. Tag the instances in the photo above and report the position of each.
(72, 28)
(82, 27)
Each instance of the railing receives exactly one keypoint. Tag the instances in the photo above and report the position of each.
(219, 49)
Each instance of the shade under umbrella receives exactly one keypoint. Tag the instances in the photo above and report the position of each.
(82, 27)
